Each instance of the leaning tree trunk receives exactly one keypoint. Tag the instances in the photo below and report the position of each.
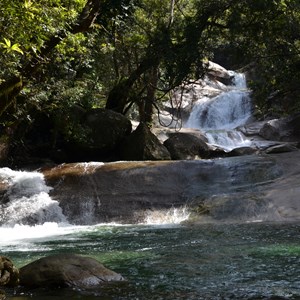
(118, 97)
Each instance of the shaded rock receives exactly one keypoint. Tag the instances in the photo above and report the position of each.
(2, 295)
(66, 270)
(142, 144)
(277, 130)
(3, 190)
(285, 147)
(294, 123)
(186, 146)
(9, 274)
(217, 152)
(103, 131)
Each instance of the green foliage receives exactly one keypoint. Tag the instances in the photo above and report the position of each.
(8, 47)
(172, 37)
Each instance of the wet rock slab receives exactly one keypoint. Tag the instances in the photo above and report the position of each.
(125, 191)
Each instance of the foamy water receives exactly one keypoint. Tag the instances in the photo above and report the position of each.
(219, 116)
(170, 216)
(27, 200)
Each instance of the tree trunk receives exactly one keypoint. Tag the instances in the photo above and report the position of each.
(119, 95)
(149, 100)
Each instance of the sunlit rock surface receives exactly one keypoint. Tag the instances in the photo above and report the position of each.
(230, 189)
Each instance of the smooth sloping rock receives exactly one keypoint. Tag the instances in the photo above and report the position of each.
(66, 270)
(124, 192)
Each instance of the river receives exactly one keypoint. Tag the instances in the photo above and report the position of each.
(208, 261)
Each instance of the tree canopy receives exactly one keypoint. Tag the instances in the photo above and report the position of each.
(126, 54)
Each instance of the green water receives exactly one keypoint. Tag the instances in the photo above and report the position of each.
(235, 261)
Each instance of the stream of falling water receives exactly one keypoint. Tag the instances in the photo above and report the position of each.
(219, 116)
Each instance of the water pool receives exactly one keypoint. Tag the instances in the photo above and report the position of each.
(209, 261)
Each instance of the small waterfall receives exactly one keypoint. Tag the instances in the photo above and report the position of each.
(27, 200)
(228, 139)
(220, 115)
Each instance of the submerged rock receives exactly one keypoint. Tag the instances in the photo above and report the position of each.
(67, 270)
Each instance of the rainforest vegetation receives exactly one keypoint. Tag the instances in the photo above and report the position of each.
(127, 55)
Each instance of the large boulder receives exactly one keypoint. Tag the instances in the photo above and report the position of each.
(284, 129)
(186, 146)
(66, 270)
(74, 135)
(103, 130)
(219, 73)
(142, 144)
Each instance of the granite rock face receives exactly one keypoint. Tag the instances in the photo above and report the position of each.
(125, 192)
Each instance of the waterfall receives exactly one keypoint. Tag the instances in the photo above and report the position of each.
(219, 116)
(27, 200)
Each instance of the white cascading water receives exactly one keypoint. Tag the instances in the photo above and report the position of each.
(27, 200)
(219, 116)
(27, 212)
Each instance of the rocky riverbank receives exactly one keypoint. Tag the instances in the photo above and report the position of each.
(236, 189)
